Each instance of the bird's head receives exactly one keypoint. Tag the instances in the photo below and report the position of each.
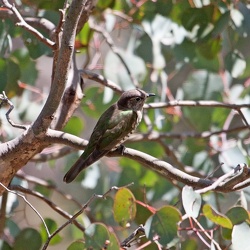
(133, 99)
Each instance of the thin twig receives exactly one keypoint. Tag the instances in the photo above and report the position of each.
(243, 117)
(37, 181)
(5, 99)
(111, 44)
(208, 236)
(29, 204)
(219, 181)
(133, 236)
(91, 199)
(22, 23)
(63, 213)
(155, 136)
(101, 79)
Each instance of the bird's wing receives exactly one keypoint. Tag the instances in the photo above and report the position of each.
(110, 129)
(118, 127)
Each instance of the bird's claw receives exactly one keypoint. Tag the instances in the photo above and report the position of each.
(121, 149)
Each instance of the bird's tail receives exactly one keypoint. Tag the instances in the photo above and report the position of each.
(81, 164)
(75, 170)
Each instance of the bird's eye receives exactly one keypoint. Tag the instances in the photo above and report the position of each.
(138, 99)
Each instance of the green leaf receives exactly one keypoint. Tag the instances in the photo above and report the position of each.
(131, 172)
(27, 66)
(52, 226)
(210, 48)
(102, 4)
(216, 217)
(124, 206)
(237, 215)
(145, 48)
(114, 243)
(200, 85)
(96, 236)
(226, 233)
(93, 102)
(12, 227)
(189, 244)
(74, 126)
(191, 201)
(163, 224)
(28, 237)
(77, 245)
(235, 63)
(9, 75)
(240, 236)
(35, 47)
(83, 37)
(221, 24)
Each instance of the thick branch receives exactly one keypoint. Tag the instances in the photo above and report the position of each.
(163, 168)
(62, 68)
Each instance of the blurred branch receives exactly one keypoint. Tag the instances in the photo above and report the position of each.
(72, 219)
(3, 212)
(29, 204)
(190, 103)
(37, 181)
(133, 237)
(52, 153)
(22, 23)
(112, 46)
(243, 117)
(154, 135)
(51, 204)
(101, 79)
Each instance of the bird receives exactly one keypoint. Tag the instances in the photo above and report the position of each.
(113, 128)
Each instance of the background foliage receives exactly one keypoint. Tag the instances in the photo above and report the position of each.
(180, 50)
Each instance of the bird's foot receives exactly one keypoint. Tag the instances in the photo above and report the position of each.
(121, 149)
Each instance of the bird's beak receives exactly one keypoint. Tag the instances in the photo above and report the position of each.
(150, 94)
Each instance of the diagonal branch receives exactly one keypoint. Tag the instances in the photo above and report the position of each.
(56, 208)
(22, 23)
(111, 44)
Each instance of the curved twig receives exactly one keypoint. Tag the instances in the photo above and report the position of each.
(22, 23)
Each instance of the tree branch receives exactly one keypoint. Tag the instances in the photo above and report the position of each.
(111, 44)
(101, 79)
(22, 23)
(189, 103)
(5, 100)
(51, 204)
(62, 68)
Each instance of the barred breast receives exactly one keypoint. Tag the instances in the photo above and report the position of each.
(134, 126)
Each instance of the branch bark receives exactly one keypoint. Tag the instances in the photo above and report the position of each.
(16, 153)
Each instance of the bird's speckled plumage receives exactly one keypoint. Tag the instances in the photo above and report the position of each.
(112, 129)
